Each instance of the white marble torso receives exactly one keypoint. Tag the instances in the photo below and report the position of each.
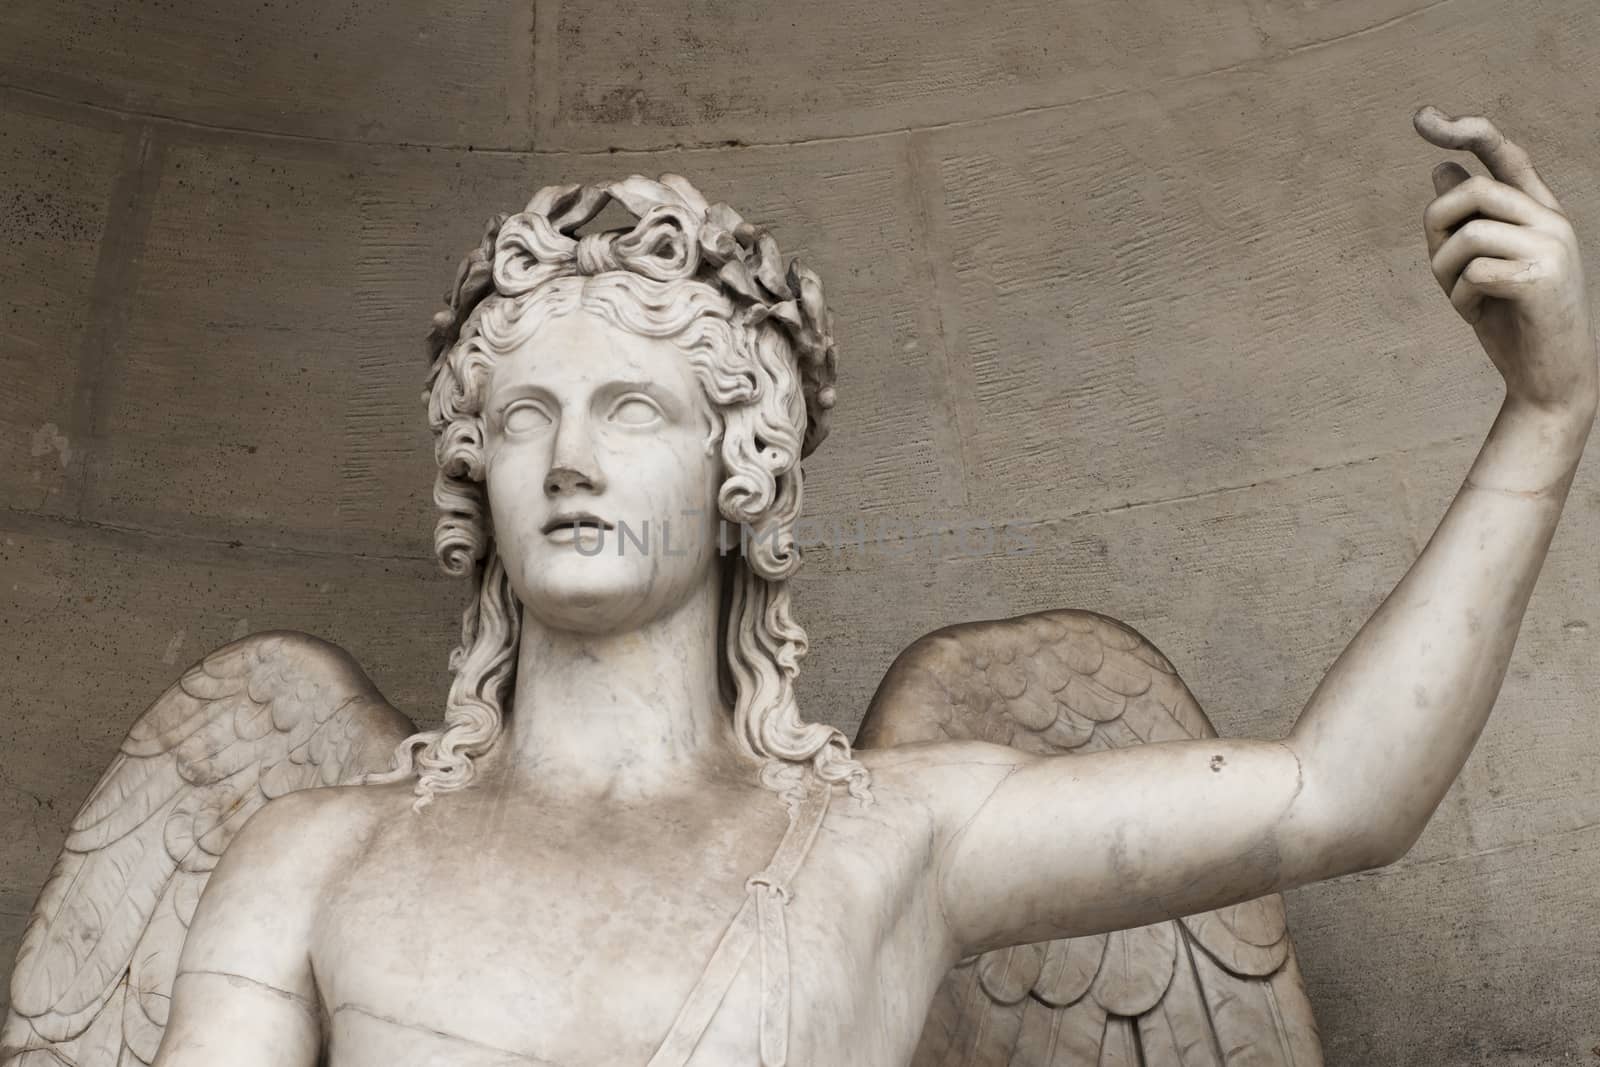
(490, 927)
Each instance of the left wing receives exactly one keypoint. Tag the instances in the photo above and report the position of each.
(1219, 988)
(266, 715)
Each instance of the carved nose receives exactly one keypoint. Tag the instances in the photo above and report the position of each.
(568, 480)
(573, 465)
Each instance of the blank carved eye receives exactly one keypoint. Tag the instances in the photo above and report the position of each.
(635, 410)
(526, 416)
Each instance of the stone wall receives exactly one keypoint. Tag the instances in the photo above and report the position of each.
(1145, 275)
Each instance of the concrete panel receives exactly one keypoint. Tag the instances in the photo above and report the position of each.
(1473, 960)
(640, 74)
(458, 73)
(231, 409)
(1199, 287)
(1251, 593)
(99, 623)
(57, 178)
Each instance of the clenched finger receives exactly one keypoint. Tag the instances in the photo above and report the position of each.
(1484, 278)
(1484, 197)
(1484, 237)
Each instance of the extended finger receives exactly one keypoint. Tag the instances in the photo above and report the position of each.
(1484, 278)
(1483, 238)
(1483, 197)
(1506, 161)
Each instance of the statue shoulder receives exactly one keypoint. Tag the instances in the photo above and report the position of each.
(304, 838)
(918, 760)
(944, 779)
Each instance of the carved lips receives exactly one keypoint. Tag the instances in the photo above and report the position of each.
(567, 527)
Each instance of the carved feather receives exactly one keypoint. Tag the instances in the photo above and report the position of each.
(266, 715)
(1207, 990)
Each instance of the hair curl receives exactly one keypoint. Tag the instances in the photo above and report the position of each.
(759, 340)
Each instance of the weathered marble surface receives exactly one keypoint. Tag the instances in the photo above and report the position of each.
(1275, 562)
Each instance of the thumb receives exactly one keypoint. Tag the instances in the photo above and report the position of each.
(1448, 175)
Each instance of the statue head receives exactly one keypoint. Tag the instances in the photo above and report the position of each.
(676, 370)
(601, 459)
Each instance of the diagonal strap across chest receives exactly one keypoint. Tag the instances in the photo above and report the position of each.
(760, 921)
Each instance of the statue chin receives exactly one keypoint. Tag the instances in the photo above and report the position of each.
(604, 593)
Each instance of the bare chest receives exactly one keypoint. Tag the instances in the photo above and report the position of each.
(558, 945)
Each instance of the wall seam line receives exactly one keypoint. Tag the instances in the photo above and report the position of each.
(954, 378)
(546, 81)
(1251, 63)
(110, 303)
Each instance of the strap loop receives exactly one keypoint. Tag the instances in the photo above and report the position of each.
(757, 882)
(760, 920)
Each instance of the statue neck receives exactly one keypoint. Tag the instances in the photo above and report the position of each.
(618, 715)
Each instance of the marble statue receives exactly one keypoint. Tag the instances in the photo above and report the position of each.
(626, 846)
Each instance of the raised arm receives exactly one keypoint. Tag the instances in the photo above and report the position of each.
(1431, 660)
(1052, 847)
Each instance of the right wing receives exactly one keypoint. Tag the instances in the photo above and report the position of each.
(266, 715)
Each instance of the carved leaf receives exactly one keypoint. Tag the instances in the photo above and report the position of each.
(687, 193)
(641, 195)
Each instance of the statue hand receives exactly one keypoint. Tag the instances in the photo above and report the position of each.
(1508, 258)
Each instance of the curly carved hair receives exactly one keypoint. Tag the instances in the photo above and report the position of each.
(759, 340)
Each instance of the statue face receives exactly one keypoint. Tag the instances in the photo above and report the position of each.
(601, 488)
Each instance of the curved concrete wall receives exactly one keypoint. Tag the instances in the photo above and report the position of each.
(1145, 275)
